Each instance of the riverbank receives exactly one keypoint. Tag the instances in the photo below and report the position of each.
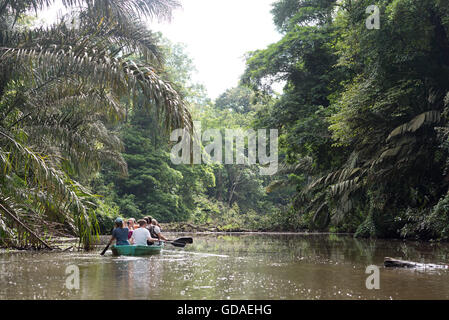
(65, 244)
(190, 227)
(209, 227)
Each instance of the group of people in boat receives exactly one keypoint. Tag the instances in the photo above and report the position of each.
(146, 231)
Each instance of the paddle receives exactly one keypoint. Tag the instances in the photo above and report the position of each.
(180, 242)
(177, 244)
(184, 240)
(105, 249)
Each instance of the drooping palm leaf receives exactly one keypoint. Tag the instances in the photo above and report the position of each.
(426, 118)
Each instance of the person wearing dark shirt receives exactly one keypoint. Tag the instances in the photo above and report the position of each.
(155, 230)
(120, 234)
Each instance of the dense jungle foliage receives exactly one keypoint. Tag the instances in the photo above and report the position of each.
(87, 105)
(364, 113)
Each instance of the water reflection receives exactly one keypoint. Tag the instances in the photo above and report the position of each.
(246, 266)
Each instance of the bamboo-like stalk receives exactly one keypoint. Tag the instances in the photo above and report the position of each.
(9, 214)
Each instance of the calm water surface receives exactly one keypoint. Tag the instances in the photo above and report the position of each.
(238, 266)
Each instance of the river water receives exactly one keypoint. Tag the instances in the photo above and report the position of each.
(233, 266)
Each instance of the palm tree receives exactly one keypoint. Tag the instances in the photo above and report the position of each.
(61, 91)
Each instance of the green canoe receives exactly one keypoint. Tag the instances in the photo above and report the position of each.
(136, 250)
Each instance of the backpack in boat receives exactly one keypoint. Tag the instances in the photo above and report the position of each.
(152, 234)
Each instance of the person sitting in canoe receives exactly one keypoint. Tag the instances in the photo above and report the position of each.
(131, 227)
(148, 219)
(142, 236)
(155, 230)
(119, 234)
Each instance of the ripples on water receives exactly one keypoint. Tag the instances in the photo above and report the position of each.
(250, 266)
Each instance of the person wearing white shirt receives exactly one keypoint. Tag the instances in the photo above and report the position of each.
(142, 235)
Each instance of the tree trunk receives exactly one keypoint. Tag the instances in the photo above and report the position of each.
(442, 41)
(12, 216)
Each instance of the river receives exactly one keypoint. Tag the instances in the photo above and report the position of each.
(233, 266)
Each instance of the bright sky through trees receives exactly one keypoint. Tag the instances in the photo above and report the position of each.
(218, 34)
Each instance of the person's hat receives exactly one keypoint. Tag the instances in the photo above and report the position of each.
(118, 220)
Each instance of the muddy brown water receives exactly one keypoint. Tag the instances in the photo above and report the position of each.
(233, 266)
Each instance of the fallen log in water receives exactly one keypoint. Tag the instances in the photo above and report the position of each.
(396, 263)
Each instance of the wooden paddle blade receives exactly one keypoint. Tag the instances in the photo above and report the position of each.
(185, 240)
(105, 249)
(178, 244)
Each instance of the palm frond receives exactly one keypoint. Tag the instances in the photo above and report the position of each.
(338, 176)
(106, 8)
(426, 118)
(346, 186)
